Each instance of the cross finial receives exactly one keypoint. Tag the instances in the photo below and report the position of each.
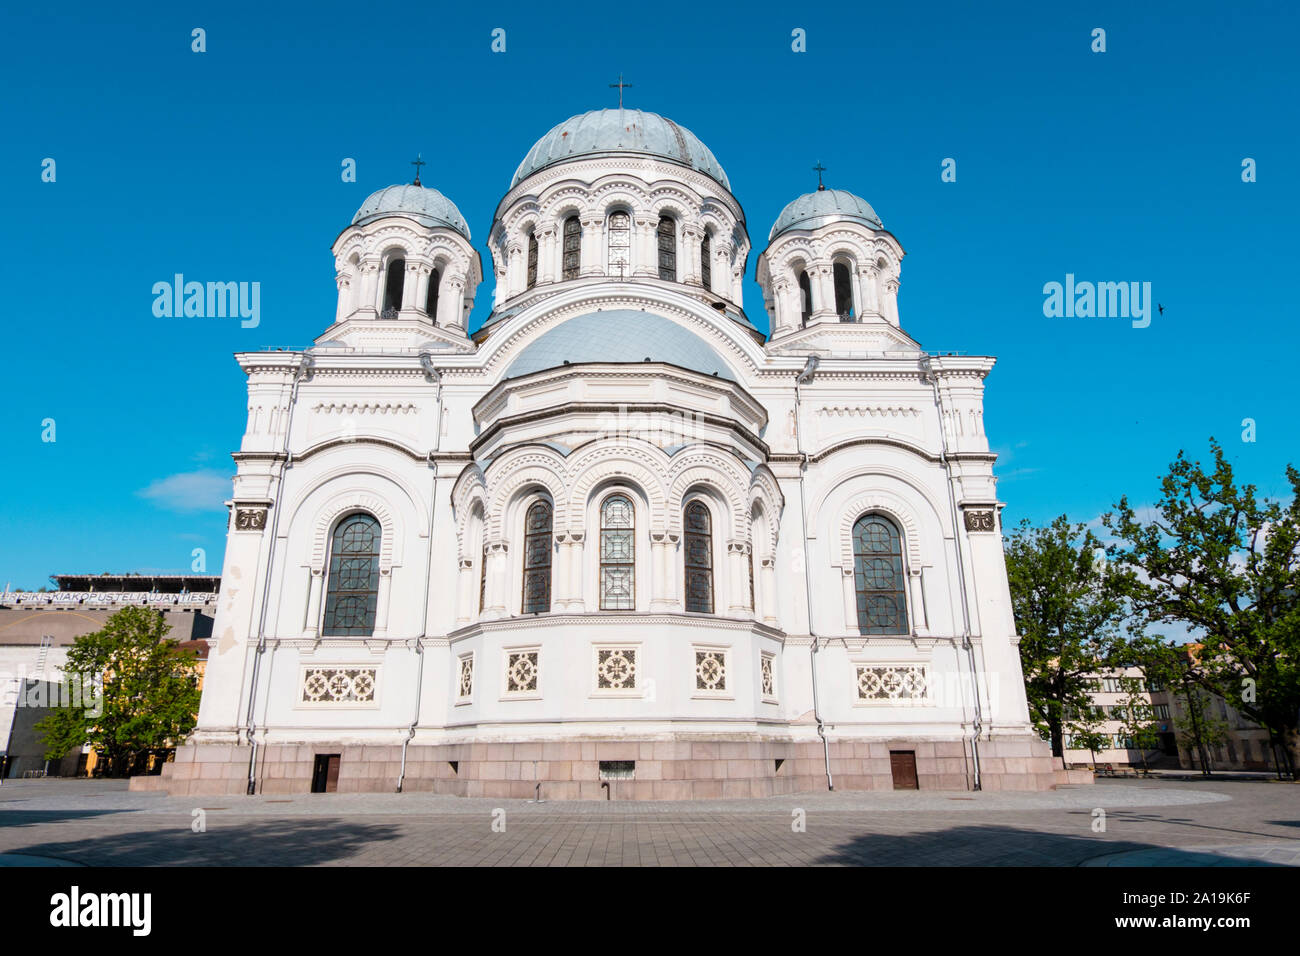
(417, 163)
(621, 87)
(819, 169)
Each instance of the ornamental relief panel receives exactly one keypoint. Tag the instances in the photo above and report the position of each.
(981, 521)
(339, 686)
(616, 669)
(891, 684)
(250, 519)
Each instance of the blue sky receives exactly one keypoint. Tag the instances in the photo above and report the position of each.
(1115, 166)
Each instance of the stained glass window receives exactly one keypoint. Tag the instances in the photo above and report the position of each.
(620, 244)
(878, 574)
(572, 248)
(706, 267)
(617, 554)
(431, 299)
(843, 291)
(353, 590)
(667, 236)
(532, 260)
(699, 559)
(393, 282)
(537, 558)
(805, 295)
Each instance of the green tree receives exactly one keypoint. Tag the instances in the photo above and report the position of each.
(1085, 725)
(1069, 616)
(146, 698)
(1227, 563)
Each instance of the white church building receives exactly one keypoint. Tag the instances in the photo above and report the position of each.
(616, 543)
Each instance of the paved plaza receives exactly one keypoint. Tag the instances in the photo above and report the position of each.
(1147, 823)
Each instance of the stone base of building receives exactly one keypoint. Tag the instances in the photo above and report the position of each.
(677, 769)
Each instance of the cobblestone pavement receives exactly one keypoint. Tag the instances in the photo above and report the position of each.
(1147, 823)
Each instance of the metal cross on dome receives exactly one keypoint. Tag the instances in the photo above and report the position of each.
(819, 169)
(417, 163)
(620, 85)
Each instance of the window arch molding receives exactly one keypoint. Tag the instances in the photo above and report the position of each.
(887, 507)
(339, 508)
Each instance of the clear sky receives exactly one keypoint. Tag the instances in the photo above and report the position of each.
(225, 165)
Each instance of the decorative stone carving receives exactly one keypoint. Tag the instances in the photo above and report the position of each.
(334, 685)
(250, 519)
(980, 521)
(710, 670)
(891, 683)
(522, 672)
(616, 668)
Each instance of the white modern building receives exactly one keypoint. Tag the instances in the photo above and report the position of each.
(617, 536)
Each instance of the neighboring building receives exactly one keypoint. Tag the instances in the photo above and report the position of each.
(1246, 746)
(589, 544)
(1107, 693)
(38, 627)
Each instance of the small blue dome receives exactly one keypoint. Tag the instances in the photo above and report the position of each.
(426, 206)
(620, 131)
(621, 336)
(826, 205)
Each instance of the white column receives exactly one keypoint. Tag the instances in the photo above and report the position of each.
(548, 257)
(645, 254)
(577, 578)
(721, 273)
(663, 579)
(593, 255)
(870, 301)
(314, 586)
(516, 275)
(688, 254)
(560, 572)
(889, 303)
(767, 589)
(823, 290)
(368, 298)
(494, 602)
(381, 602)
(344, 309)
(451, 302)
(466, 592)
(738, 577)
(410, 283)
(919, 623)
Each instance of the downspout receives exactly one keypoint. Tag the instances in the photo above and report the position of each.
(303, 373)
(431, 373)
(928, 375)
(804, 378)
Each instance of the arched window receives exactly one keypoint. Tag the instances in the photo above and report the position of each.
(353, 591)
(572, 248)
(843, 291)
(532, 260)
(619, 233)
(878, 574)
(431, 297)
(805, 296)
(393, 287)
(706, 266)
(699, 559)
(667, 235)
(537, 558)
(617, 554)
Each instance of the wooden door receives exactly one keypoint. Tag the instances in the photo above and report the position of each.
(902, 764)
(325, 775)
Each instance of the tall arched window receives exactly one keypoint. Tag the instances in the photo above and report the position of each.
(667, 236)
(619, 233)
(843, 291)
(353, 590)
(572, 264)
(878, 574)
(532, 260)
(706, 266)
(393, 286)
(805, 296)
(699, 558)
(431, 297)
(617, 554)
(537, 558)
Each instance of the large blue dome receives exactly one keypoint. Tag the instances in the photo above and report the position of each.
(426, 206)
(620, 131)
(618, 335)
(826, 205)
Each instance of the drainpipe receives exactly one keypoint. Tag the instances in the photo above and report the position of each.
(804, 378)
(928, 375)
(431, 373)
(303, 373)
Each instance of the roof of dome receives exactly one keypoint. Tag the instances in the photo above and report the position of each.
(826, 205)
(426, 206)
(620, 131)
(618, 335)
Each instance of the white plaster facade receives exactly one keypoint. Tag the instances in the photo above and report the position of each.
(594, 375)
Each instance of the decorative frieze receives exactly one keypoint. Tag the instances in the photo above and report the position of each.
(339, 686)
(710, 670)
(465, 678)
(891, 684)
